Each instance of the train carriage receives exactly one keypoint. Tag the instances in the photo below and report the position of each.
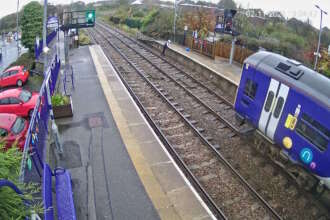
(289, 104)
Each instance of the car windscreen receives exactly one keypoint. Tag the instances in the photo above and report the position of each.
(25, 95)
(18, 126)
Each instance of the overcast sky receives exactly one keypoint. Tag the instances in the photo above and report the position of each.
(301, 9)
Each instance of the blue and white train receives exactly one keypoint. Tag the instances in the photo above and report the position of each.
(289, 104)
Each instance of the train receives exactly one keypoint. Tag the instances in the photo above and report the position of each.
(289, 106)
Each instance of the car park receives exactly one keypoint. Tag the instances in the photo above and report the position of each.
(16, 75)
(13, 130)
(18, 101)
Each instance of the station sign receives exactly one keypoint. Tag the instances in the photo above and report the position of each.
(52, 22)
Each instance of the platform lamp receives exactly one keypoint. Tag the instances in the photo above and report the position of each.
(17, 38)
(317, 54)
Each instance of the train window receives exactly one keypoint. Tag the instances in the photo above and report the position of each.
(313, 131)
(269, 101)
(316, 124)
(279, 106)
(250, 88)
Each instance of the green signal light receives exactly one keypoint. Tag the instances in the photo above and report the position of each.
(90, 17)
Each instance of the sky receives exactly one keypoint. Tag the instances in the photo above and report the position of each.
(301, 9)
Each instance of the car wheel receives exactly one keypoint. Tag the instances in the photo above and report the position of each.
(19, 83)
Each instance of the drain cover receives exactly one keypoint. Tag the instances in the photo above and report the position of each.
(95, 122)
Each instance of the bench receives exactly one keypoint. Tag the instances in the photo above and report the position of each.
(64, 195)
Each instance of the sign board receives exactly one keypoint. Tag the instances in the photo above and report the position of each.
(52, 22)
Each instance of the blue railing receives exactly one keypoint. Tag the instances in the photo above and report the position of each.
(36, 139)
(38, 49)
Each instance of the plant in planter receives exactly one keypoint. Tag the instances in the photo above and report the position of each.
(62, 105)
(13, 205)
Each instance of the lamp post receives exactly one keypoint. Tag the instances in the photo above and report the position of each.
(55, 133)
(175, 14)
(17, 38)
(174, 22)
(317, 54)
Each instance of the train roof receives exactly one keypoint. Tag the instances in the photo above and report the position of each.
(294, 74)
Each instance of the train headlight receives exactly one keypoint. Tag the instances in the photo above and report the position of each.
(287, 143)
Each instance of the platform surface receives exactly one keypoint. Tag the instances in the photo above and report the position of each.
(119, 167)
(105, 183)
(219, 65)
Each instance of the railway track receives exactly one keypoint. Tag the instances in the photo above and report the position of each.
(197, 122)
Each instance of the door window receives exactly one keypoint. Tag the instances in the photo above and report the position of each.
(5, 74)
(250, 88)
(269, 101)
(14, 72)
(3, 133)
(279, 106)
(4, 101)
(14, 101)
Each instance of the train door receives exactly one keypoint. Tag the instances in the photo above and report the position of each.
(272, 109)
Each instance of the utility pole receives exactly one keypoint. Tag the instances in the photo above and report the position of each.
(55, 133)
(317, 54)
(174, 22)
(17, 38)
(44, 36)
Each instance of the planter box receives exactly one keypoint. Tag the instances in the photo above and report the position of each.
(63, 111)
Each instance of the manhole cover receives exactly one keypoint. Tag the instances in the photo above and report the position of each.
(95, 122)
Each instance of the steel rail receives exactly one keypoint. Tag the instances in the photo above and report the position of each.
(205, 141)
(216, 210)
(237, 132)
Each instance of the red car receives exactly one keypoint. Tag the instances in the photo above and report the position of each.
(18, 101)
(16, 75)
(13, 129)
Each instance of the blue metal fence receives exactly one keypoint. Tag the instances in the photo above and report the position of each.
(36, 139)
(38, 49)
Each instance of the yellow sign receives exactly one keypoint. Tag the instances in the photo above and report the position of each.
(290, 122)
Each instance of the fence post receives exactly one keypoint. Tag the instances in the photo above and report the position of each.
(232, 50)
(55, 133)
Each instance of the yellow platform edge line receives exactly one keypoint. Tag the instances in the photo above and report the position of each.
(151, 184)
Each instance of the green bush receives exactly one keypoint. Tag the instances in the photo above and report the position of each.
(149, 18)
(26, 59)
(114, 19)
(133, 22)
(83, 39)
(161, 26)
(11, 204)
(138, 14)
(59, 99)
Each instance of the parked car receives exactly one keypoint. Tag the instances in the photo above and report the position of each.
(18, 101)
(16, 75)
(13, 129)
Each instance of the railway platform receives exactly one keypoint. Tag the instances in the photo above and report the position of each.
(120, 169)
(219, 65)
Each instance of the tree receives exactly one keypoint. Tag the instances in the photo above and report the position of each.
(31, 24)
(200, 19)
(227, 4)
